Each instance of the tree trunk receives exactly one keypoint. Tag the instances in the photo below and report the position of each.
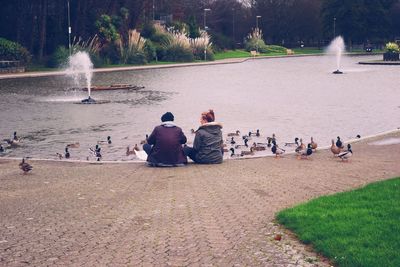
(43, 25)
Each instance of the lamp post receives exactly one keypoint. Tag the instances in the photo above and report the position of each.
(205, 29)
(233, 28)
(334, 27)
(153, 10)
(69, 29)
(257, 17)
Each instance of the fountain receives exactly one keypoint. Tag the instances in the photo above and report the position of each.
(81, 68)
(336, 48)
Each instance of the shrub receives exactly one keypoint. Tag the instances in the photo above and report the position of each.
(132, 51)
(199, 44)
(59, 57)
(13, 51)
(255, 42)
(92, 46)
(150, 50)
(178, 53)
(221, 41)
(392, 47)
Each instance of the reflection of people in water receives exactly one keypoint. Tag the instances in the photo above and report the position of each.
(207, 145)
(164, 145)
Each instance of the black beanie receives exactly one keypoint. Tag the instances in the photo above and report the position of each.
(167, 117)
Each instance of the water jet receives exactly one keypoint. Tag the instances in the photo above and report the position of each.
(336, 48)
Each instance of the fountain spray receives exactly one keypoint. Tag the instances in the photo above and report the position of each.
(81, 68)
(337, 47)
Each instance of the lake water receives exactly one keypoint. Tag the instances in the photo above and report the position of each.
(291, 97)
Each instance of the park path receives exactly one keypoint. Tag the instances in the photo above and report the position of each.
(80, 214)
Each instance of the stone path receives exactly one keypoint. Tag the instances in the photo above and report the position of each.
(80, 214)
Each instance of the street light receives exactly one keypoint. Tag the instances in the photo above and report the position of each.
(153, 10)
(69, 30)
(205, 29)
(257, 17)
(334, 27)
(233, 28)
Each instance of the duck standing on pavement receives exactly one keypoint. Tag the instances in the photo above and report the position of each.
(25, 167)
(345, 155)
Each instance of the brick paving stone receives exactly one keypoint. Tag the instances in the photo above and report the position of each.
(79, 214)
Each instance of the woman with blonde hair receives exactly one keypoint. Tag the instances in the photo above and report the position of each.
(207, 145)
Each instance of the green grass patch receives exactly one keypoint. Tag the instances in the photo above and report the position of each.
(238, 53)
(356, 228)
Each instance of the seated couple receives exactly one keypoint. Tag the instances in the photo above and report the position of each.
(165, 144)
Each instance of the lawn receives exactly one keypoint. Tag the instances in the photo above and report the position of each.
(355, 228)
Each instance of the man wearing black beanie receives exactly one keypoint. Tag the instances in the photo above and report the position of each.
(164, 145)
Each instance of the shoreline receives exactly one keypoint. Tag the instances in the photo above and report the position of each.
(350, 141)
(70, 214)
(166, 66)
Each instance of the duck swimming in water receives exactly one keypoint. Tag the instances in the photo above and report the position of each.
(257, 133)
(345, 155)
(237, 133)
(1, 149)
(295, 143)
(255, 147)
(25, 167)
(14, 141)
(74, 145)
(108, 141)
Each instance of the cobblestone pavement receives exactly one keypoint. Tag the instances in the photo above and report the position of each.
(80, 214)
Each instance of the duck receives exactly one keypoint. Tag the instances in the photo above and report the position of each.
(313, 144)
(145, 141)
(257, 133)
(339, 143)
(345, 155)
(335, 150)
(96, 152)
(130, 152)
(232, 141)
(300, 147)
(237, 133)
(25, 167)
(305, 153)
(59, 155)
(67, 154)
(245, 144)
(74, 145)
(13, 141)
(233, 155)
(2, 150)
(108, 141)
(270, 140)
(295, 143)
(277, 150)
(255, 147)
(247, 152)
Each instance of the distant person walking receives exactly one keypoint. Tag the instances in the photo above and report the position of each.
(207, 145)
(164, 145)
